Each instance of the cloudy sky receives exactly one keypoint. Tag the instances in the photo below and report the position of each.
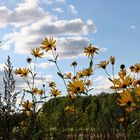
(113, 26)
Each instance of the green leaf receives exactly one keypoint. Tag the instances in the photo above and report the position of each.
(39, 102)
(60, 75)
(28, 91)
(110, 79)
(52, 60)
(56, 57)
(90, 89)
(44, 97)
(91, 63)
(84, 93)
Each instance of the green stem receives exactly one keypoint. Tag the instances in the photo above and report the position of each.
(59, 69)
(33, 74)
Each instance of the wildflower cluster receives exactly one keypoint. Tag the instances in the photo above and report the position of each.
(79, 81)
(28, 74)
(76, 82)
(126, 84)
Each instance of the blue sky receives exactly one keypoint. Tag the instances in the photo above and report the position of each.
(113, 26)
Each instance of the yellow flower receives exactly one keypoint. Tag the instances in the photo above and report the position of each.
(137, 68)
(52, 84)
(112, 60)
(125, 98)
(88, 83)
(76, 86)
(121, 119)
(36, 53)
(28, 113)
(103, 64)
(35, 90)
(27, 105)
(131, 108)
(72, 96)
(85, 72)
(88, 72)
(55, 92)
(132, 68)
(90, 50)
(22, 71)
(121, 83)
(122, 73)
(137, 90)
(18, 71)
(136, 82)
(80, 74)
(134, 106)
(68, 75)
(48, 44)
(71, 108)
(40, 91)
(25, 72)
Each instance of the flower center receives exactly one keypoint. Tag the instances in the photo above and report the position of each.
(124, 86)
(139, 82)
(129, 103)
(137, 69)
(91, 51)
(49, 46)
(78, 89)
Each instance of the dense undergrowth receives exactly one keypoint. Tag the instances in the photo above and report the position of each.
(95, 115)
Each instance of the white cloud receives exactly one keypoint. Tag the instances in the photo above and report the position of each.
(2, 67)
(35, 24)
(4, 14)
(71, 46)
(58, 10)
(132, 27)
(101, 83)
(62, 1)
(31, 36)
(72, 9)
(103, 49)
(26, 12)
(45, 65)
(48, 2)
(39, 81)
(5, 46)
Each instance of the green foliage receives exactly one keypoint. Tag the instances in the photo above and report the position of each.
(93, 112)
